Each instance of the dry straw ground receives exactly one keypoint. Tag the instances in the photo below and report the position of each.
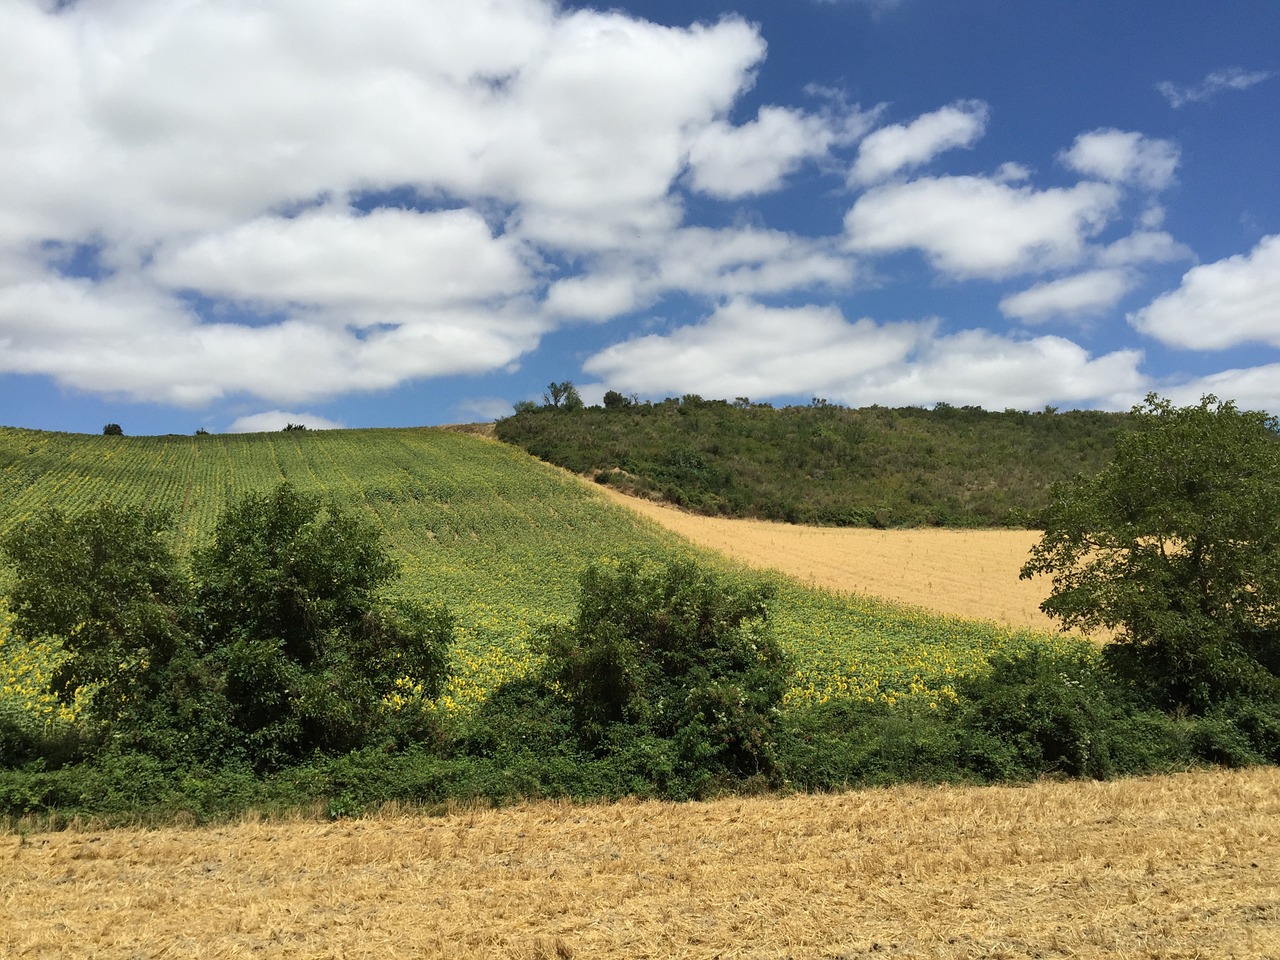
(970, 573)
(1171, 867)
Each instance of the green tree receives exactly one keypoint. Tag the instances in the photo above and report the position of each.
(677, 656)
(613, 400)
(563, 396)
(112, 430)
(290, 612)
(1176, 546)
(107, 585)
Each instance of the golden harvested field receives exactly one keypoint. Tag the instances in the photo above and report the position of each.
(968, 573)
(1169, 867)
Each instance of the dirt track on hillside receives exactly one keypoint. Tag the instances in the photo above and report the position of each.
(1172, 867)
(971, 573)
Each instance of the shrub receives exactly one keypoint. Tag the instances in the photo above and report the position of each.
(284, 646)
(674, 667)
(843, 743)
(1041, 712)
(107, 584)
(290, 615)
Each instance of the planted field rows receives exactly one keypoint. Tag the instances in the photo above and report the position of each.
(479, 526)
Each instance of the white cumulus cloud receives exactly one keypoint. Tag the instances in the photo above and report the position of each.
(234, 169)
(901, 146)
(727, 161)
(980, 227)
(1124, 157)
(334, 258)
(1082, 294)
(709, 262)
(1220, 305)
(749, 349)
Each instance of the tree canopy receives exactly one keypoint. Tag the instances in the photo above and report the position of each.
(1176, 546)
(276, 644)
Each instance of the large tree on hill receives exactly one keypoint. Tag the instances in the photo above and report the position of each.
(1176, 546)
(562, 396)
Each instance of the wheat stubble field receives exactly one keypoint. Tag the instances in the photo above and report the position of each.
(969, 573)
(1170, 867)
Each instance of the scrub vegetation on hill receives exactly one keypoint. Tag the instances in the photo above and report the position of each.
(823, 463)
(193, 626)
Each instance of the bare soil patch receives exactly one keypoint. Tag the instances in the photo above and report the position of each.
(969, 573)
(1168, 867)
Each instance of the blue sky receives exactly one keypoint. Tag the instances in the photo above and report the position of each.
(236, 215)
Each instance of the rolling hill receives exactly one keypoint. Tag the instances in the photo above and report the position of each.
(484, 528)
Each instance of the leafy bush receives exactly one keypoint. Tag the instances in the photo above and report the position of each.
(844, 743)
(1045, 712)
(107, 584)
(282, 648)
(673, 666)
(289, 613)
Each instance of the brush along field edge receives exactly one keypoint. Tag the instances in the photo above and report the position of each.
(964, 573)
(1163, 867)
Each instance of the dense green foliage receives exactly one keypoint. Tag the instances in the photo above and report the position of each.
(1176, 545)
(498, 538)
(107, 585)
(281, 648)
(825, 464)
(677, 656)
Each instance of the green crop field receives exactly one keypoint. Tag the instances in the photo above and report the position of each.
(480, 526)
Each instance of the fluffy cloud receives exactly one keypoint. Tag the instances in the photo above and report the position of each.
(980, 227)
(1083, 294)
(336, 259)
(1124, 157)
(1220, 305)
(133, 341)
(898, 147)
(714, 263)
(161, 117)
(1144, 246)
(727, 161)
(218, 158)
(1252, 388)
(747, 349)
(1232, 78)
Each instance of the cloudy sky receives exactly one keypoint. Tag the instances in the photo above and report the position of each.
(233, 214)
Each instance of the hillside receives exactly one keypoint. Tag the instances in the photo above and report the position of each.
(826, 464)
(481, 526)
(965, 573)
(866, 690)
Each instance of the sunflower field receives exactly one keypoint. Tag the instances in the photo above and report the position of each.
(494, 534)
